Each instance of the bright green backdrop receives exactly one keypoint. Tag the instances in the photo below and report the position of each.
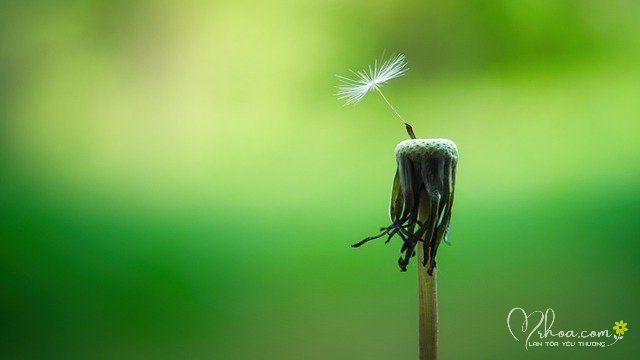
(177, 180)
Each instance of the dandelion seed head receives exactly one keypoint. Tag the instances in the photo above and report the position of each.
(353, 89)
(424, 180)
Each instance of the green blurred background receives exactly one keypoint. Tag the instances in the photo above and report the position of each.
(178, 181)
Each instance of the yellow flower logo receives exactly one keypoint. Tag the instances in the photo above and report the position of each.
(620, 327)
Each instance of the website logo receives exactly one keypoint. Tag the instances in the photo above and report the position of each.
(535, 329)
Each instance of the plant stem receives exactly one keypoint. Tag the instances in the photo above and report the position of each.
(407, 126)
(427, 301)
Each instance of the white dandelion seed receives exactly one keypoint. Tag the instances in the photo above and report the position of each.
(353, 90)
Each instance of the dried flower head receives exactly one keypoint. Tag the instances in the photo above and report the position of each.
(424, 182)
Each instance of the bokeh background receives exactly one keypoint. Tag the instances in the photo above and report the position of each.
(178, 181)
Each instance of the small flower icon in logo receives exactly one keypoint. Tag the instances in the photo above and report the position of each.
(620, 327)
